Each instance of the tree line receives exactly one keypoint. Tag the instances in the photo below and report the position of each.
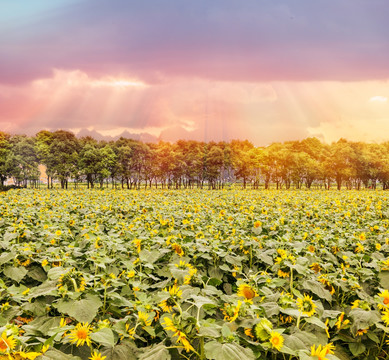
(128, 163)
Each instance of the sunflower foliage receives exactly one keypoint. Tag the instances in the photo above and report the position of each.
(194, 274)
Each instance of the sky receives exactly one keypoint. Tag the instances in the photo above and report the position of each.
(261, 70)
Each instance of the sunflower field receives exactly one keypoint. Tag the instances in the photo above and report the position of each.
(194, 274)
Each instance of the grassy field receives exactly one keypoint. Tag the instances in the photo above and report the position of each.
(194, 274)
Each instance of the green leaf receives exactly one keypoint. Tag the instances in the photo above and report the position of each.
(120, 352)
(315, 321)
(158, 352)
(363, 319)
(215, 272)
(230, 351)
(318, 289)
(47, 288)
(271, 308)
(54, 354)
(300, 340)
(5, 257)
(149, 256)
(83, 310)
(42, 325)
(37, 307)
(15, 273)
(37, 273)
(384, 279)
(209, 331)
(104, 337)
(200, 301)
(357, 348)
(373, 337)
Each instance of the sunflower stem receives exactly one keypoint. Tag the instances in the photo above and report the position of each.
(298, 321)
(74, 284)
(105, 298)
(202, 355)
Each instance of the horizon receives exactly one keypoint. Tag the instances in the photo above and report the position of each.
(260, 71)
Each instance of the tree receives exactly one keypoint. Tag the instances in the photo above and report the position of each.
(5, 148)
(24, 160)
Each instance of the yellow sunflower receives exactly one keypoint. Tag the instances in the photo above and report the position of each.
(169, 325)
(231, 312)
(72, 279)
(385, 317)
(97, 356)
(341, 322)
(276, 340)
(7, 343)
(31, 355)
(306, 305)
(144, 319)
(360, 332)
(282, 274)
(315, 267)
(80, 334)
(178, 249)
(175, 294)
(385, 296)
(246, 291)
(319, 352)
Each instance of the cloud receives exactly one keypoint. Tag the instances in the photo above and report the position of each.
(110, 105)
(195, 108)
(222, 40)
(378, 98)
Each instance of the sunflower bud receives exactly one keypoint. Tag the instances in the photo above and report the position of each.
(263, 329)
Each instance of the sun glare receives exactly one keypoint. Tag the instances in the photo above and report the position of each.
(378, 99)
(117, 83)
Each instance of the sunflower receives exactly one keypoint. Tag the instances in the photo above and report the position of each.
(328, 286)
(329, 348)
(257, 224)
(97, 356)
(263, 329)
(31, 355)
(360, 248)
(276, 340)
(285, 300)
(231, 312)
(282, 274)
(306, 305)
(188, 278)
(7, 342)
(169, 325)
(175, 294)
(249, 332)
(355, 304)
(311, 248)
(80, 334)
(360, 332)
(144, 319)
(385, 296)
(183, 265)
(319, 352)
(72, 279)
(385, 317)
(137, 243)
(178, 249)
(286, 319)
(246, 291)
(341, 322)
(315, 267)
